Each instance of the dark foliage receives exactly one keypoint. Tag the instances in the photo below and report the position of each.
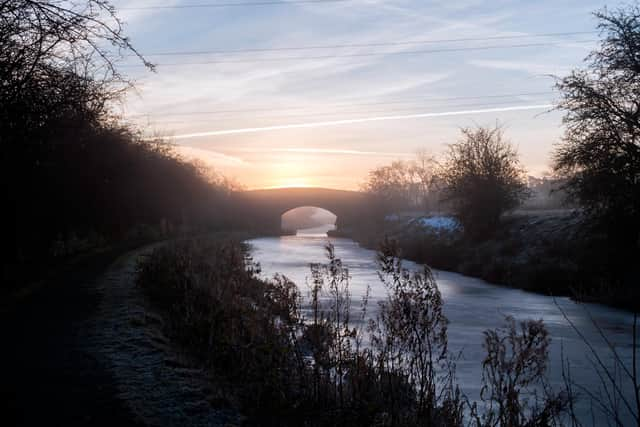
(483, 179)
(410, 339)
(600, 153)
(240, 328)
(548, 254)
(72, 178)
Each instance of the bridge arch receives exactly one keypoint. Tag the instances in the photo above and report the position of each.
(309, 218)
(267, 206)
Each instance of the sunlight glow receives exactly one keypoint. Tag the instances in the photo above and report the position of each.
(291, 183)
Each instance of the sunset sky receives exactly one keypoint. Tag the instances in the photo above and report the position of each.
(320, 75)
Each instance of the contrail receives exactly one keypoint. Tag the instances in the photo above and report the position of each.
(360, 120)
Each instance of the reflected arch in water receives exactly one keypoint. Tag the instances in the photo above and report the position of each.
(308, 220)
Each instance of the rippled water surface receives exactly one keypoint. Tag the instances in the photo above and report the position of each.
(472, 306)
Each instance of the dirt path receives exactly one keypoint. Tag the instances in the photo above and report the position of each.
(89, 352)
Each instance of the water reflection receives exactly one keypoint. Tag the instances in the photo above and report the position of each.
(317, 232)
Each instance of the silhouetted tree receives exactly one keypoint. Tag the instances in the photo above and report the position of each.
(84, 38)
(600, 153)
(404, 184)
(482, 178)
(72, 177)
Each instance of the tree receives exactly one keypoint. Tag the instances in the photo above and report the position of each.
(600, 152)
(389, 184)
(72, 176)
(40, 36)
(404, 184)
(482, 178)
(423, 170)
(57, 78)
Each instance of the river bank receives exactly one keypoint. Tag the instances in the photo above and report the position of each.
(542, 252)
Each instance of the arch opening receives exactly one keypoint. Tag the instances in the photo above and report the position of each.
(308, 221)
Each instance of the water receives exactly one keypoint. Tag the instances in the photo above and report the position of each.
(472, 306)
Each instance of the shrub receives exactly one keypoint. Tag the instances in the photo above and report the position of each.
(513, 375)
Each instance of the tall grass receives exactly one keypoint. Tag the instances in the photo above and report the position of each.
(280, 368)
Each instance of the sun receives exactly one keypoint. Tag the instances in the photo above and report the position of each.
(289, 182)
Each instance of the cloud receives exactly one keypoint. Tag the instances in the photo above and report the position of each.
(328, 151)
(534, 68)
(322, 88)
(210, 158)
(359, 120)
(134, 11)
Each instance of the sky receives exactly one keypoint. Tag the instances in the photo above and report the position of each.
(317, 93)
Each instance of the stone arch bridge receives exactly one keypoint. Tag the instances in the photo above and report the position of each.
(267, 206)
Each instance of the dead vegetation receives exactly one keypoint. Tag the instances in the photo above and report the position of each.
(282, 368)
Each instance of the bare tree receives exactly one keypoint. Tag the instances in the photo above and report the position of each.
(424, 171)
(390, 185)
(483, 178)
(404, 184)
(600, 153)
(84, 38)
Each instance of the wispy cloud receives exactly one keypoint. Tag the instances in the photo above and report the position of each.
(134, 11)
(359, 120)
(209, 157)
(534, 68)
(329, 151)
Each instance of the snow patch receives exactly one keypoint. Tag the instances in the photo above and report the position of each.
(438, 223)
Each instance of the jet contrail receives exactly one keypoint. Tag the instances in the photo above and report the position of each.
(360, 120)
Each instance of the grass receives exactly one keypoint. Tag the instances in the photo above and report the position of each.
(278, 368)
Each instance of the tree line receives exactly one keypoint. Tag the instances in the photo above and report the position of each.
(73, 176)
(478, 179)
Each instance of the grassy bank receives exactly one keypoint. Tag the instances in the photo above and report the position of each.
(548, 253)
